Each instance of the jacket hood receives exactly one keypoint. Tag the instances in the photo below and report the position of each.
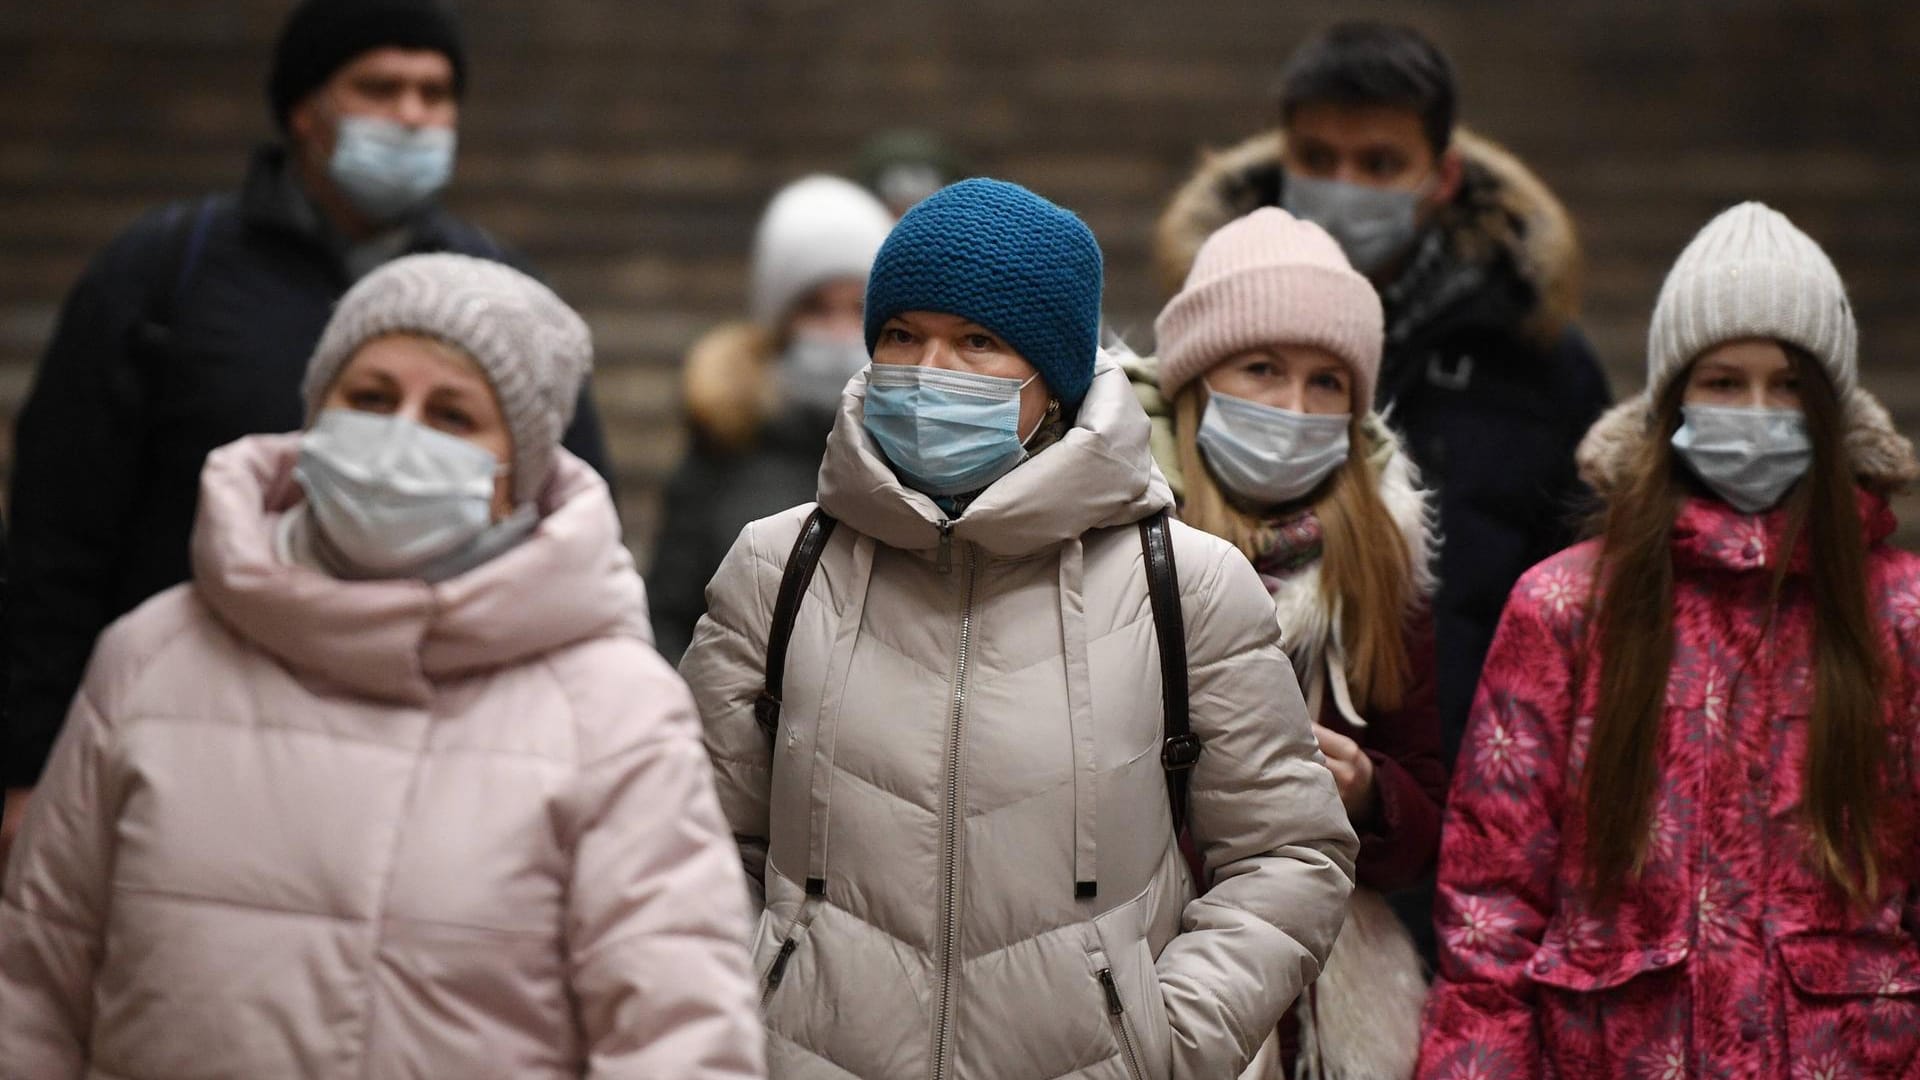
(728, 385)
(571, 580)
(1100, 474)
(1502, 210)
(1883, 459)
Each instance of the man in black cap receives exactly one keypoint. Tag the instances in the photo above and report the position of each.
(194, 326)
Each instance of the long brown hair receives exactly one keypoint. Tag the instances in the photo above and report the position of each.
(1846, 739)
(1366, 567)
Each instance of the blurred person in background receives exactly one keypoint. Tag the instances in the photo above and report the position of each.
(905, 165)
(761, 395)
(1682, 834)
(1265, 379)
(193, 328)
(959, 816)
(394, 786)
(1485, 374)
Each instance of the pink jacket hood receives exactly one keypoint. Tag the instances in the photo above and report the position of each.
(570, 581)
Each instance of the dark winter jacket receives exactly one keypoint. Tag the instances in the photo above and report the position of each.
(192, 329)
(1485, 375)
(750, 456)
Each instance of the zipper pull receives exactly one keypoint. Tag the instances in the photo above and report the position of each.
(779, 969)
(945, 562)
(1114, 1008)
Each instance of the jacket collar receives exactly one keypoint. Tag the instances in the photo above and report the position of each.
(271, 200)
(1710, 535)
(1099, 475)
(571, 581)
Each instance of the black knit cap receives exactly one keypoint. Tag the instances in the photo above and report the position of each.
(323, 36)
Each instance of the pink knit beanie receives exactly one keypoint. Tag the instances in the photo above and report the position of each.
(1270, 279)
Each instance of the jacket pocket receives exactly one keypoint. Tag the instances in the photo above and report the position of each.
(775, 971)
(1116, 1009)
(1852, 1004)
(1612, 1012)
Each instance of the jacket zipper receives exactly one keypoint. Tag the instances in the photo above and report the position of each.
(1117, 1010)
(945, 560)
(950, 840)
(778, 971)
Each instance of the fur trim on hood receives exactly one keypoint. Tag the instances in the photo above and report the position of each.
(1502, 207)
(1883, 459)
(728, 385)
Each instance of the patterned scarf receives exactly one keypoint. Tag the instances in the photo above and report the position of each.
(1291, 545)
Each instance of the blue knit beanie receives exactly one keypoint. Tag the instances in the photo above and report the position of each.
(998, 254)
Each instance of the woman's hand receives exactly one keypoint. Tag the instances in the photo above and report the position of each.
(1352, 771)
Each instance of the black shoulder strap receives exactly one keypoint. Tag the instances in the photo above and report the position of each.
(187, 242)
(1181, 748)
(801, 563)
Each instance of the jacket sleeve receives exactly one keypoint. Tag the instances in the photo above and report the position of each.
(1584, 395)
(76, 475)
(53, 909)
(1410, 776)
(1500, 849)
(685, 556)
(657, 916)
(726, 667)
(1268, 823)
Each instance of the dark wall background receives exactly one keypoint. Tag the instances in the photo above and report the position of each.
(628, 146)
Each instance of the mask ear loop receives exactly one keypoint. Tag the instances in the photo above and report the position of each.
(1053, 409)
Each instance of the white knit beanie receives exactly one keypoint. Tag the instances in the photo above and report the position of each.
(815, 230)
(1751, 274)
(534, 349)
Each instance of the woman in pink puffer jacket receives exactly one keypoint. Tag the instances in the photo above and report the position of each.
(395, 787)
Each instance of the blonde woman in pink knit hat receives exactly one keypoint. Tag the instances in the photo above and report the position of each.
(1267, 363)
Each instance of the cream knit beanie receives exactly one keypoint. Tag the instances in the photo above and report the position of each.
(815, 230)
(1751, 274)
(533, 348)
(1271, 279)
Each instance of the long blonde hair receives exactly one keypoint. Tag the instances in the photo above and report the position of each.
(1366, 567)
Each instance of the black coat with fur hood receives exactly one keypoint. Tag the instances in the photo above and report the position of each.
(1485, 374)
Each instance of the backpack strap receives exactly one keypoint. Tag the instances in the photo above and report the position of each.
(1180, 749)
(801, 563)
(187, 243)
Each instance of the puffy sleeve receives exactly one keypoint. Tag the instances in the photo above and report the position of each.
(1500, 843)
(1266, 820)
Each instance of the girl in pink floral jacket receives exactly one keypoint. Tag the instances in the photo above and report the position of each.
(1680, 841)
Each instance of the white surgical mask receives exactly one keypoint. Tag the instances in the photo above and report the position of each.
(386, 169)
(1748, 456)
(1266, 455)
(390, 496)
(1372, 225)
(814, 370)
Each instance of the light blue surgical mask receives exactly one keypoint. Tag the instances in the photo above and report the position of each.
(1372, 225)
(387, 169)
(1267, 455)
(1748, 456)
(945, 432)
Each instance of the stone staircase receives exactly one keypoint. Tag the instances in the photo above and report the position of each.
(628, 147)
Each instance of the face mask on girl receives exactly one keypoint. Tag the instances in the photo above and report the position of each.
(1266, 455)
(1372, 225)
(1748, 456)
(386, 169)
(814, 369)
(389, 495)
(945, 432)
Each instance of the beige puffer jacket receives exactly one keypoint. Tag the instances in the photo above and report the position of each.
(298, 827)
(971, 742)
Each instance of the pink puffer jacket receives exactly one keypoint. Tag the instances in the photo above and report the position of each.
(297, 827)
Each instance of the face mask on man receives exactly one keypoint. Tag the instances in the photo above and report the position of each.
(390, 496)
(945, 432)
(1266, 455)
(1748, 456)
(1373, 225)
(815, 368)
(386, 169)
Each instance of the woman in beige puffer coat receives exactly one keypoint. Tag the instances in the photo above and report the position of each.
(961, 822)
(395, 787)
